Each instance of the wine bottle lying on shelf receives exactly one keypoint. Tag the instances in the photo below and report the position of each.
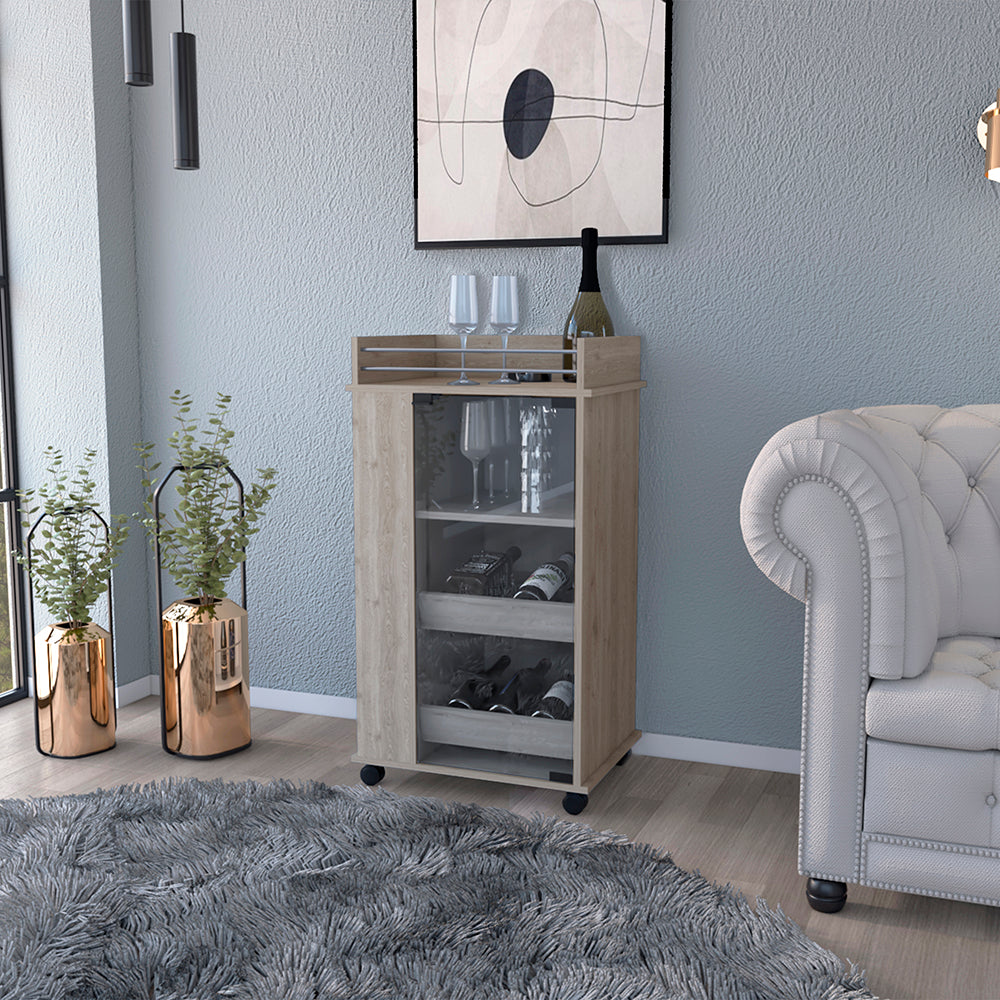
(477, 690)
(548, 580)
(486, 574)
(557, 702)
(516, 697)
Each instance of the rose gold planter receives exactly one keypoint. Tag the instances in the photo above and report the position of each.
(74, 691)
(206, 690)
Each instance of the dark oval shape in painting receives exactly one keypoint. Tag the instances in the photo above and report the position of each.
(527, 112)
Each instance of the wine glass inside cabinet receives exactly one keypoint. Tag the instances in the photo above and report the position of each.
(495, 557)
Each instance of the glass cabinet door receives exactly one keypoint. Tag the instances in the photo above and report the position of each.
(494, 508)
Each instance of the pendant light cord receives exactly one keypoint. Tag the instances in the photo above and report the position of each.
(182, 15)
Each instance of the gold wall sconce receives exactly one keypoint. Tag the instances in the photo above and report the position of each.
(988, 131)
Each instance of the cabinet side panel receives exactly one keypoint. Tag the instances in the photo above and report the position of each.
(607, 361)
(607, 453)
(383, 574)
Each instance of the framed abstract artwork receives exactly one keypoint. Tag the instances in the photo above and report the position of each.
(536, 118)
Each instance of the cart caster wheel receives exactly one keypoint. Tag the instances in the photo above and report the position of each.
(628, 753)
(372, 774)
(574, 803)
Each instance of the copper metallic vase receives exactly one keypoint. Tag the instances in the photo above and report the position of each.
(206, 690)
(74, 691)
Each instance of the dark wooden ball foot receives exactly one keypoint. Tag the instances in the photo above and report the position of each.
(827, 897)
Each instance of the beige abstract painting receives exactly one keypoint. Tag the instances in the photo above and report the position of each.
(536, 118)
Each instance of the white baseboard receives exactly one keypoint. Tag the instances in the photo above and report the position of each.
(137, 690)
(285, 701)
(719, 752)
(297, 701)
(650, 745)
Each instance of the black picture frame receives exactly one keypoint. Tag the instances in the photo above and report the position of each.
(445, 217)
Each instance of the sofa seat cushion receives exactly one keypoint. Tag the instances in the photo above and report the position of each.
(954, 703)
(933, 794)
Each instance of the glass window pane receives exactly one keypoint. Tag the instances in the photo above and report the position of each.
(9, 680)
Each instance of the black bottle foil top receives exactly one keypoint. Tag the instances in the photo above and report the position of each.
(588, 279)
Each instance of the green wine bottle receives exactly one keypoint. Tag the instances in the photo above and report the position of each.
(589, 316)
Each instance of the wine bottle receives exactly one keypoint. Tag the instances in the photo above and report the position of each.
(487, 574)
(547, 580)
(557, 702)
(518, 693)
(476, 690)
(589, 316)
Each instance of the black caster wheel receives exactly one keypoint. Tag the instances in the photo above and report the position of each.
(574, 803)
(628, 753)
(372, 774)
(827, 897)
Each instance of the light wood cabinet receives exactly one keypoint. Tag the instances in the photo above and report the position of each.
(412, 527)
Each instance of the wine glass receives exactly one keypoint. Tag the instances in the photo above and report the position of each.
(475, 442)
(463, 315)
(503, 316)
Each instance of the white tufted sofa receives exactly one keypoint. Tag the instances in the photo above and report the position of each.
(886, 522)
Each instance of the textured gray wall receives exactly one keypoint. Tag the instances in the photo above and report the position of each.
(72, 268)
(830, 245)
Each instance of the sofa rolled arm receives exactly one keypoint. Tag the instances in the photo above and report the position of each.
(839, 453)
(821, 517)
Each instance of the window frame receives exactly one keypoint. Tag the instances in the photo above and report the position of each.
(19, 639)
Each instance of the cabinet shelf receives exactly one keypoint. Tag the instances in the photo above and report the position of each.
(501, 616)
(497, 731)
(557, 510)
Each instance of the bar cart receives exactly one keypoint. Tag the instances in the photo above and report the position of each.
(558, 474)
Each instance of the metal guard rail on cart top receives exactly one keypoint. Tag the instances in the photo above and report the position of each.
(468, 350)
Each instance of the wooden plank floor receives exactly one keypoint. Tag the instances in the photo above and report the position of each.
(733, 825)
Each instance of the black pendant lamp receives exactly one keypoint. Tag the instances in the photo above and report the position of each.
(182, 59)
(137, 29)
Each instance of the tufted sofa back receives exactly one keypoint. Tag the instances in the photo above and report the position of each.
(948, 461)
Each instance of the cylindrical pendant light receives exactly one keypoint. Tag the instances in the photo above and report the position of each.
(137, 32)
(182, 53)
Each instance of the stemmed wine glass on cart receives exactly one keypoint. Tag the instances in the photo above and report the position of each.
(475, 440)
(504, 317)
(463, 316)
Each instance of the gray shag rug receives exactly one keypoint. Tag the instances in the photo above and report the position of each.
(187, 890)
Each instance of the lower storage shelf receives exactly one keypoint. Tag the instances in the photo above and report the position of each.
(550, 621)
(521, 768)
(518, 734)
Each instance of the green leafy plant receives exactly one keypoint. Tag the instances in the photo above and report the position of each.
(72, 559)
(205, 539)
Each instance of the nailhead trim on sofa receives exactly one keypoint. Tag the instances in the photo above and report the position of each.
(807, 663)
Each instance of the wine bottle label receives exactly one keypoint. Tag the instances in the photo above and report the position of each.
(487, 574)
(563, 691)
(548, 579)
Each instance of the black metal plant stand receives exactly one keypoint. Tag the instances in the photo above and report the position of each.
(159, 596)
(71, 512)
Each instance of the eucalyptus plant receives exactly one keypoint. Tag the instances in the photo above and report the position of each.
(71, 560)
(205, 538)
